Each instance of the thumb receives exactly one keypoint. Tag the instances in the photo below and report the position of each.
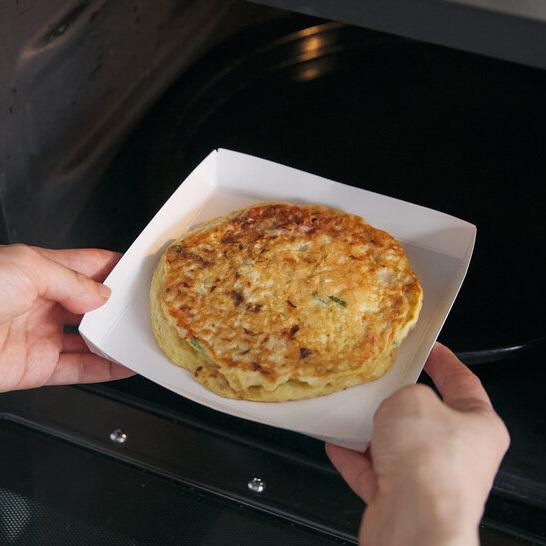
(74, 291)
(459, 387)
(356, 469)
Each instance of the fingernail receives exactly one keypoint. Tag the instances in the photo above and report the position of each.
(104, 291)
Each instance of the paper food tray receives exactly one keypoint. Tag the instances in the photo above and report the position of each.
(439, 247)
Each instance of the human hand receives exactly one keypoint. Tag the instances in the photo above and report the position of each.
(431, 464)
(41, 291)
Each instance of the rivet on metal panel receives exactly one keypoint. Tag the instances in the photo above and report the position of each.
(256, 485)
(118, 436)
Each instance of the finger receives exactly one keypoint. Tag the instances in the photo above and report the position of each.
(75, 368)
(74, 291)
(356, 469)
(95, 263)
(459, 387)
(73, 343)
(71, 319)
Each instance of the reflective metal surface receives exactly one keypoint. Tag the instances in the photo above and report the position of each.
(76, 76)
(506, 29)
(59, 493)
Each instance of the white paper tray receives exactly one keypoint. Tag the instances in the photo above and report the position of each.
(439, 247)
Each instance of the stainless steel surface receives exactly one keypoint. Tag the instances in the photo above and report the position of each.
(505, 29)
(527, 9)
(76, 76)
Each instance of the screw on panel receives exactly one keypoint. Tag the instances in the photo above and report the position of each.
(118, 436)
(256, 485)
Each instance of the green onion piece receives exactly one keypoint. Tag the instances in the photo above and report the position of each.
(339, 301)
(195, 344)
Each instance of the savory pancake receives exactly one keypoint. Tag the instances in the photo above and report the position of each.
(281, 302)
